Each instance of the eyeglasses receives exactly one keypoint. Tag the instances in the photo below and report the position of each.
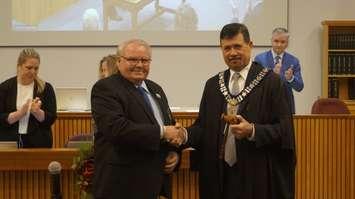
(135, 61)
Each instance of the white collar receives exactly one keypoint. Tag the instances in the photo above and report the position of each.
(144, 85)
(274, 54)
(243, 73)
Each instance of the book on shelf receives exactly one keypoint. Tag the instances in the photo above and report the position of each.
(350, 63)
(342, 40)
(341, 63)
(333, 88)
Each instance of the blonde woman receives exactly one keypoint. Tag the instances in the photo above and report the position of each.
(27, 105)
(108, 66)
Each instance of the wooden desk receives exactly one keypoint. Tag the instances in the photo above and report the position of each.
(35, 159)
(24, 173)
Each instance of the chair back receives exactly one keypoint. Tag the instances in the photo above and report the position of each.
(76, 141)
(329, 106)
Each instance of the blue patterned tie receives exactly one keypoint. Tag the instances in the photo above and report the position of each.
(143, 92)
(277, 59)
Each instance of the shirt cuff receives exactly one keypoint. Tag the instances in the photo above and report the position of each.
(291, 80)
(185, 134)
(252, 137)
(162, 130)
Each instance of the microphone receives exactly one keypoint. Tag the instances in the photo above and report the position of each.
(54, 169)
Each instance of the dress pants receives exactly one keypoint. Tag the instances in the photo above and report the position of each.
(230, 182)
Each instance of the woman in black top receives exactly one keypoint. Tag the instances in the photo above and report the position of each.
(27, 105)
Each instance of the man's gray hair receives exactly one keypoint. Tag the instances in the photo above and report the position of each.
(121, 47)
(280, 30)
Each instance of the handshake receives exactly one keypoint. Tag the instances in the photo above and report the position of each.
(175, 135)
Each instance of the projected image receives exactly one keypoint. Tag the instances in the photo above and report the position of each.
(126, 15)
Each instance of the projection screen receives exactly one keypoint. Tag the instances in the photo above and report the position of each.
(160, 22)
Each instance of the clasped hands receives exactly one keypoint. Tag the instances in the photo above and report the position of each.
(32, 105)
(36, 105)
(288, 72)
(239, 126)
(175, 135)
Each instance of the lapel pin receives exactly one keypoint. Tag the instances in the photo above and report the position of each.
(158, 96)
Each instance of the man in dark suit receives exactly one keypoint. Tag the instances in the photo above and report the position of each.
(283, 63)
(251, 153)
(133, 158)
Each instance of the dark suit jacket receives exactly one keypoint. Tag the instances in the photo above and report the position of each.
(265, 167)
(39, 134)
(129, 154)
(266, 59)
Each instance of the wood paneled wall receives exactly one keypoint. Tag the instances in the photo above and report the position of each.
(69, 124)
(34, 184)
(325, 159)
(326, 156)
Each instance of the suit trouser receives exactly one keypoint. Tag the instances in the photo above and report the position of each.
(230, 188)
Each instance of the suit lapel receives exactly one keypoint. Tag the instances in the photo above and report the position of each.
(270, 60)
(285, 63)
(158, 97)
(137, 96)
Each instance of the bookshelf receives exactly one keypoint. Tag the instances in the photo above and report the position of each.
(338, 68)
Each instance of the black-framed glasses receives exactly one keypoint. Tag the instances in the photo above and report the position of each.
(135, 61)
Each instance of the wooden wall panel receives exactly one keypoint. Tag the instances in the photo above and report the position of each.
(34, 184)
(325, 160)
(70, 124)
(326, 155)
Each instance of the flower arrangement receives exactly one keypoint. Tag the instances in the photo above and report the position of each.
(83, 166)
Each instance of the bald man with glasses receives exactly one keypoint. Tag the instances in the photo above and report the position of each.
(136, 139)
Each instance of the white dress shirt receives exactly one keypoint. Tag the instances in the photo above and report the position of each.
(24, 93)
